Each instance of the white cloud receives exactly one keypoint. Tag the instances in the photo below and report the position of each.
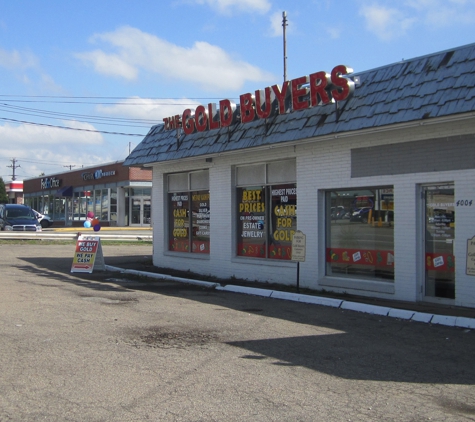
(276, 24)
(388, 19)
(27, 135)
(27, 69)
(386, 23)
(109, 64)
(203, 63)
(228, 6)
(148, 109)
(334, 32)
(16, 60)
(438, 13)
(50, 145)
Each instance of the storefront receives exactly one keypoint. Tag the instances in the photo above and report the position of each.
(375, 168)
(14, 191)
(117, 195)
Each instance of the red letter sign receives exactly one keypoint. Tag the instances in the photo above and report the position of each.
(280, 95)
(298, 92)
(247, 108)
(344, 86)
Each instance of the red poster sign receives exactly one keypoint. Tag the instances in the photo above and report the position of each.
(377, 258)
(87, 249)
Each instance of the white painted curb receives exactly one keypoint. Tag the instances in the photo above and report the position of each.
(422, 317)
(245, 290)
(450, 321)
(444, 320)
(364, 307)
(276, 294)
(401, 313)
(464, 322)
(164, 277)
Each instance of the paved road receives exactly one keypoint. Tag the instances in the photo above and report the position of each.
(106, 233)
(100, 347)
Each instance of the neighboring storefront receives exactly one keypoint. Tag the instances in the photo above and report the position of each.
(14, 191)
(375, 168)
(117, 195)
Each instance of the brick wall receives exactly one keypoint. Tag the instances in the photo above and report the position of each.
(140, 174)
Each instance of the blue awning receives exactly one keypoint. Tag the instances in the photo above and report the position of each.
(64, 191)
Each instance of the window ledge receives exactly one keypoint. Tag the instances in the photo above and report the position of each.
(264, 261)
(187, 255)
(357, 284)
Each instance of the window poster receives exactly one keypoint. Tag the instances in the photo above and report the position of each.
(251, 222)
(179, 222)
(283, 221)
(200, 221)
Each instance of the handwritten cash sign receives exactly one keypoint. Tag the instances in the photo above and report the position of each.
(88, 252)
(298, 246)
(471, 256)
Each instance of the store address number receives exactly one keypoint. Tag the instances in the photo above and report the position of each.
(464, 203)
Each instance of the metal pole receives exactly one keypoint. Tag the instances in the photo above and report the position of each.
(284, 25)
(298, 276)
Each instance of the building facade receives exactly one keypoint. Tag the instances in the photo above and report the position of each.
(117, 195)
(14, 191)
(376, 171)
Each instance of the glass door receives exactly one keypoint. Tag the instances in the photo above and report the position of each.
(439, 241)
(147, 213)
(140, 214)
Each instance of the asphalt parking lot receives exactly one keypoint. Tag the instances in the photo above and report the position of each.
(109, 347)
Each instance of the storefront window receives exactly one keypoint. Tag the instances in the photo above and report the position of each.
(189, 212)
(360, 233)
(267, 212)
(113, 205)
(97, 208)
(105, 205)
(439, 240)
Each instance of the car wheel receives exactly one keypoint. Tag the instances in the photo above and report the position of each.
(44, 224)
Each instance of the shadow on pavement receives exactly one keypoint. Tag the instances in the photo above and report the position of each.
(346, 344)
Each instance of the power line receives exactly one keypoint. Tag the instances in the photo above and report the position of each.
(92, 119)
(106, 98)
(58, 99)
(71, 128)
(52, 114)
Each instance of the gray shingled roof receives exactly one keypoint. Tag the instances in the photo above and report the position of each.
(431, 86)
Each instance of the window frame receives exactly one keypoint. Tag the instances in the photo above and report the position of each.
(369, 217)
(192, 188)
(265, 181)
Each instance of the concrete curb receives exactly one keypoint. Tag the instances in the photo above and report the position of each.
(164, 277)
(450, 321)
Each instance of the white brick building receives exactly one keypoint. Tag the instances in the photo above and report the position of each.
(382, 179)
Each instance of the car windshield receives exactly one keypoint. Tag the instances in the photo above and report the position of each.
(23, 213)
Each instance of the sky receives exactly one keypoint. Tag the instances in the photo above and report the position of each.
(82, 82)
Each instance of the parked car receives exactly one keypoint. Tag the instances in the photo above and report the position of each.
(15, 217)
(337, 213)
(44, 219)
(360, 215)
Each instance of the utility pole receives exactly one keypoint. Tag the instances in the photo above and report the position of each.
(14, 167)
(284, 25)
(70, 167)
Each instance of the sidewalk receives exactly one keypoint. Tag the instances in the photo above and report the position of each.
(412, 311)
(415, 311)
